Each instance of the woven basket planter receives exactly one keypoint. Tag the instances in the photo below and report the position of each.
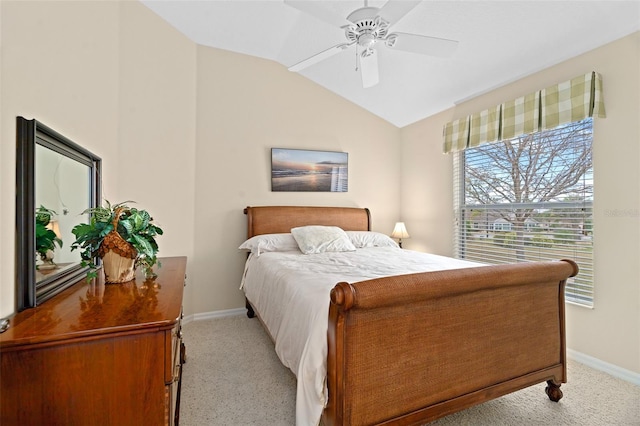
(118, 256)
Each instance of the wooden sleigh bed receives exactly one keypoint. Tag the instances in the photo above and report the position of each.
(409, 349)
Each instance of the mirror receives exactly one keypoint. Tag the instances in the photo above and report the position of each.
(56, 180)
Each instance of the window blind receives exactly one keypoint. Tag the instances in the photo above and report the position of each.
(529, 198)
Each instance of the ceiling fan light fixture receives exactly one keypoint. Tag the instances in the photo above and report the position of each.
(366, 41)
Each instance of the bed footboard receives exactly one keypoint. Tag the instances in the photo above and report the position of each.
(410, 349)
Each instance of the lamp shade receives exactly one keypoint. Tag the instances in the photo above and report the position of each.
(55, 227)
(400, 231)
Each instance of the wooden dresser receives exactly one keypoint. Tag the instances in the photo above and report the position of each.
(97, 354)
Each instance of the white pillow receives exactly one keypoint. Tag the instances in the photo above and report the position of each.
(362, 239)
(320, 239)
(270, 242)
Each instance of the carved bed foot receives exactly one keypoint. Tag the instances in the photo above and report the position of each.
(553, 391)
(250, 312)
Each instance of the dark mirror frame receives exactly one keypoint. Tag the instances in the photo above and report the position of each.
(30, 133)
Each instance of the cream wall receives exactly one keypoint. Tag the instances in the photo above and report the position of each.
(611, 330)
(157, 128)
(246, 106)
(59, 65)
(426, 186)
(87, 70)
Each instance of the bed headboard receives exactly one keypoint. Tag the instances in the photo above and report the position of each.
(280, 219)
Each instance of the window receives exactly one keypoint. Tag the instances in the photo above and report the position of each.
(529, 199)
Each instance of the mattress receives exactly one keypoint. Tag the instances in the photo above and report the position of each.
(290, 293)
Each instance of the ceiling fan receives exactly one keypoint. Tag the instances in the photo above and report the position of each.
(367, 27)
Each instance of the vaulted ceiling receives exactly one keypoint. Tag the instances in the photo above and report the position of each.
(499, 42)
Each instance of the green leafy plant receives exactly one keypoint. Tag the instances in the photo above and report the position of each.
(135, 226)
(46, 239)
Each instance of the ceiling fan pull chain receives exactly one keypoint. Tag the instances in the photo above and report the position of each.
(357, 58)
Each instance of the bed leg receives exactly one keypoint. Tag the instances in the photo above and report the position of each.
(553, 391)
(250, 312)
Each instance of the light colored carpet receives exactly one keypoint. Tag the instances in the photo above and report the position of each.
(233, 377)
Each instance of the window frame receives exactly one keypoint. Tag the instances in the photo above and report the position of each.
(579, 290)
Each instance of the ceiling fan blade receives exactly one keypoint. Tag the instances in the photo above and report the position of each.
(369, 69)
(393, 11)
(423, 45)
(315, 9)
(319, 57)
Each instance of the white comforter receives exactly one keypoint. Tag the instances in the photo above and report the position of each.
(290, 291)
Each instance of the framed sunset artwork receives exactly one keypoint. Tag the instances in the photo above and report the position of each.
(299, 170)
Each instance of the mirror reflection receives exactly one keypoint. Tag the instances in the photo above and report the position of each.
(56, 180)
(62, 193)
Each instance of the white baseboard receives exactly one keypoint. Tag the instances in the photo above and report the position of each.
(614, 370)
(214, 314)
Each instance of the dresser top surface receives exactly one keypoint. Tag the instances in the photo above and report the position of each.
(93, 308)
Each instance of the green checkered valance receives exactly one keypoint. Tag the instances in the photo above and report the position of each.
(485, 126)
(570, 101)
(520, 116)
(456, 135)
(573, 100)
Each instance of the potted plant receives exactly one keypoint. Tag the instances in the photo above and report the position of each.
(122, 236)
(46, 238)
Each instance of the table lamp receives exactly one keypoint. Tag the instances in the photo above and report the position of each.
(400, 232)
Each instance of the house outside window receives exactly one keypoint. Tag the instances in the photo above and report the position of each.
(529, 199)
